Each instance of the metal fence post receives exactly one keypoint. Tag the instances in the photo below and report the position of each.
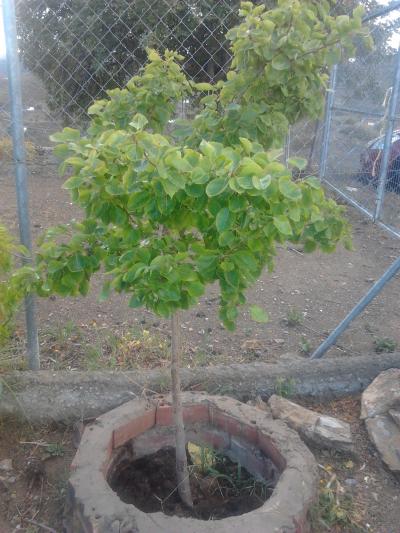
(17, 129)
(286, 154)
(327, 123)
(362, 304)
(384, 164)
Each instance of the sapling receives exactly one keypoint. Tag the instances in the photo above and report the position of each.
(170, 207)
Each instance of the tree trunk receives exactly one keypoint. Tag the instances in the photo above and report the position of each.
(182, 472)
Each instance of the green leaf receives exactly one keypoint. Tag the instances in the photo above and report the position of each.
(73, 183)
(280, 62)
(289, 189)
(223, 220)
(245, 182)
(115, 189)
(232, 278)
(298, 162)
(135, 302)
(76, 264)
(245, 261)
(226, 238)
(139, 121)
(249, 167)
(261, 183)
(204, 86)
(66, 135)
(208, 149)
(216, 187)
(313, 182)
(294, 213)
(237, 203)
(199, 176)
(247, 145)
(195, 289)
(282, 224)
(258, 314)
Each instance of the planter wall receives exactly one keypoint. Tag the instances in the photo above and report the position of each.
(240, 431)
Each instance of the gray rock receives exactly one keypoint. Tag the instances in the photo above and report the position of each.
(385, 434)
(382, 395)
(395, 414)
(315, 428)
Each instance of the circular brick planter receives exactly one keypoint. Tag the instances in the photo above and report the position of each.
(142, 427)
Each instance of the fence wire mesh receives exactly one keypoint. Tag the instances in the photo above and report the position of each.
(73, 51)
(359, 120)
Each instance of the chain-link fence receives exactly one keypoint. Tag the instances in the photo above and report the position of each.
(73, 51)
(357, 119)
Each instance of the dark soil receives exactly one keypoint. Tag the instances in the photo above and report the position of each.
(227, 489)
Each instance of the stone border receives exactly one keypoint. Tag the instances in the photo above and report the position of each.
(95, 508)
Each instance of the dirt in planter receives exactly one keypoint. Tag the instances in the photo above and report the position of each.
(220, 487)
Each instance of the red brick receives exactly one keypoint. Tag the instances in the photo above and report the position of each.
(134, 427)
(250, 434)
(164, 415)
(267, 446)
(225, 422)
(193, 414)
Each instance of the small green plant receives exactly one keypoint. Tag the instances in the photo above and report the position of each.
(305, 345)
(14, 283)
(230, 478)
(54, 450)
(163, 383)
(334, 509)
(385, 345)
(294, 317)
(285, 387)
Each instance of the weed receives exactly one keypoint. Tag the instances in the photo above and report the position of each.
(230, 478)
(163, 383)
(385, 345)
(6, 149)
(200, 358)
(94, 354)
(334, 508)
(305, 345)
(294, 317)
(62, 334)
(225, 390)
(284, 387)
(54, 450)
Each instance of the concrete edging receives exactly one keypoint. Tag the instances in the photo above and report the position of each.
(95, 508)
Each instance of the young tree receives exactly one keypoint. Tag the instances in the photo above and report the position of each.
(169, 210)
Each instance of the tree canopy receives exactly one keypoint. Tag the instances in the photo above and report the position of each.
(167, 212)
